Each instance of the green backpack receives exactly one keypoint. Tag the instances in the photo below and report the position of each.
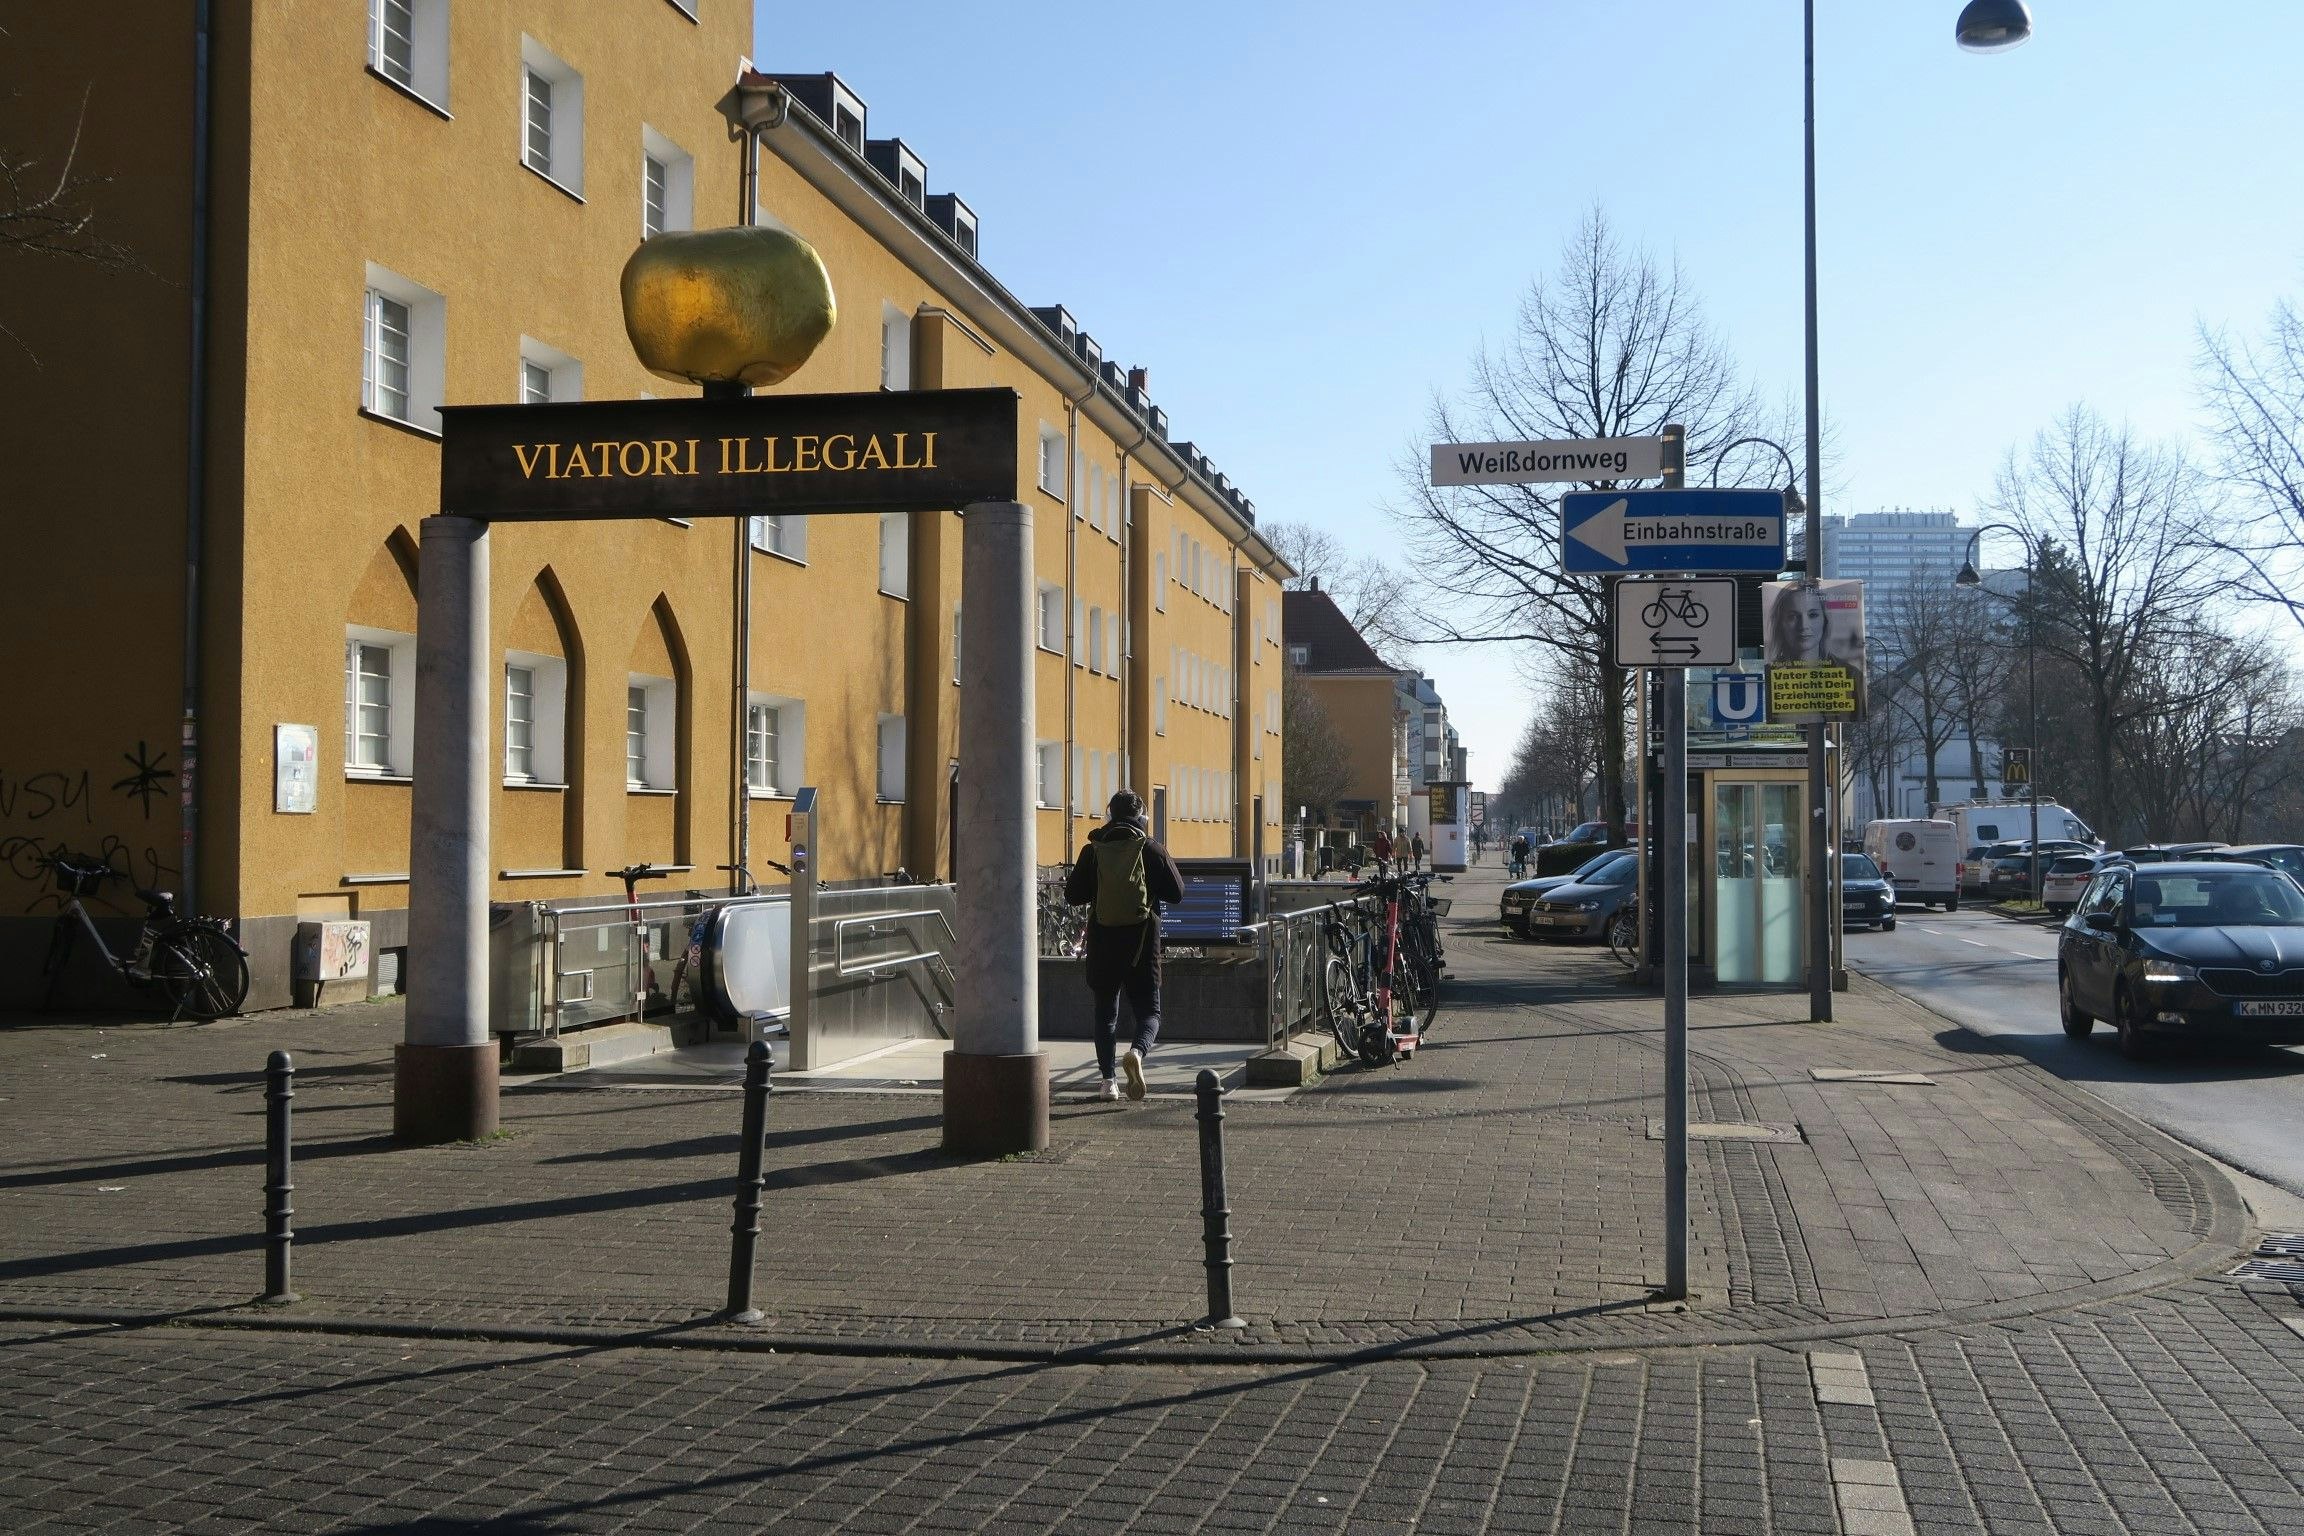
(1122, 898)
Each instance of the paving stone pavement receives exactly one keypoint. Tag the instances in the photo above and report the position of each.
(1497, 1192)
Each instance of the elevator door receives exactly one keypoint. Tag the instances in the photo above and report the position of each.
(1757, 832)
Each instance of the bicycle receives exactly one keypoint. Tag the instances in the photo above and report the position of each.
(194, 961)
(1678, 604)
(1623, 935)
(1063, 927)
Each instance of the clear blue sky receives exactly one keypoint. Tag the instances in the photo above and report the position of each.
(1305, 217)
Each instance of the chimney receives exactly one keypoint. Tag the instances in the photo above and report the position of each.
(1140, 379)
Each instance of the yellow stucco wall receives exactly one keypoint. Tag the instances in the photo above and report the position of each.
(325, 171)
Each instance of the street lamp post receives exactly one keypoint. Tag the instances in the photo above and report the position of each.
(1970, 577)
(1985, 26)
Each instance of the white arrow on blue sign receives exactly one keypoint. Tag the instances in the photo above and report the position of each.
(1603, 533)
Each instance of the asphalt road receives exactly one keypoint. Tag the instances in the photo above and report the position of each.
(1999, 978)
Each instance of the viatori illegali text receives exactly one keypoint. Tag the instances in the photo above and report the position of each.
(666, 457)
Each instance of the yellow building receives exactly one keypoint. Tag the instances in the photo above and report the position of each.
(412, 203)
(1371, 705)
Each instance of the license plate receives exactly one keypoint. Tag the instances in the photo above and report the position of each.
(2286, 1008)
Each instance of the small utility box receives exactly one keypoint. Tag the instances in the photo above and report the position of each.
(331, 962)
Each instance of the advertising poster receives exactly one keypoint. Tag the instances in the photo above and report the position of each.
(1814, 647)
(295, 769)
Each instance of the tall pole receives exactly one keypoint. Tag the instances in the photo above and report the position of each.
(740, 662)
(1819, 892)
(2032, 696)
(1671, 885)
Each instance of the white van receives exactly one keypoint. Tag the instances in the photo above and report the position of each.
(1922, 857)
(1982, 823)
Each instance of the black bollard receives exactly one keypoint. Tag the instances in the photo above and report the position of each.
(749, 1182)
(1215, 1205)
(279, 1090)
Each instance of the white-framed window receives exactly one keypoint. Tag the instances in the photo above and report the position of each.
(667, 184)
(1299, 655)
(1112, 508)
(408, 45)
(955, 645)
(896, 553)
(1052, 461)
(548, 375)
(651, 714)
(1160, 706)
(551, 117)
(1079, 776)
(1112, 781)
(1051, 617)
(1095, 645)
(379, 702)
(1079, 631)
(1160, 581)
(402, 350)
(1090, 505)
(784, 534)
(1112, 647)
(895, 347)
(535, 718)
(775, 745)
(1049, 779)
(891, 757)
(1095, 793)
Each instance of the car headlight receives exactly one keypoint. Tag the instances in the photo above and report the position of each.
(2169, 971)
(1587, 906)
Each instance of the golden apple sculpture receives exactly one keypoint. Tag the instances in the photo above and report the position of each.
(741, 305)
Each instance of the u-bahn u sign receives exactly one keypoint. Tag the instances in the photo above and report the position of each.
(935, 450)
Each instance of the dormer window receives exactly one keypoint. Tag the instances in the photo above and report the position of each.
(902, 169)
(848, 127)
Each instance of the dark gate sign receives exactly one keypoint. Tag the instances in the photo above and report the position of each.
(935, 450)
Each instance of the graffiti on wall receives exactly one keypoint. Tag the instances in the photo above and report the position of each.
(53, 811)
(148, 776)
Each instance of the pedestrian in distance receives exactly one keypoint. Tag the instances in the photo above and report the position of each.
(1124, 877)
(1380, 846)
(1416, 850)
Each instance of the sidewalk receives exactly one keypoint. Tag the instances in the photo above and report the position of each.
(1497, 1194)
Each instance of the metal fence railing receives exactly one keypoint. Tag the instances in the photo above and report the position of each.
(556, 966)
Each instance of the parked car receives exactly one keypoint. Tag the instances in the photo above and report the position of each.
(1520, 895)
(1867, 897)
(2068, 875)
(2199, 949)
(1976, 867)
(1581, 908)
(2288, 858)
(1564, 855)
(2010, 873)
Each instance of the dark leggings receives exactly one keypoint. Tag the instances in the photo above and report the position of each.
(1143, 988)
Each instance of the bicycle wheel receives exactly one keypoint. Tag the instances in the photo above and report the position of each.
(1345, 1009)
(1624, 937)
(1426, 971)
(200, 971)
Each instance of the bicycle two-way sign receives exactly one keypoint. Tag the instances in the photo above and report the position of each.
(1675, 621)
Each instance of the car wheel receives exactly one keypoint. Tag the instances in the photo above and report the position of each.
(1887, 925)
(2076, 1023)
(2134, 1044)
(1953, 905)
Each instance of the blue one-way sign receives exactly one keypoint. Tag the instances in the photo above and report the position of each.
(1606, 532)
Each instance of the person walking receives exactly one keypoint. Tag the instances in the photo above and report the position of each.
(1123, 876)
(1519, 854)
(1416, 847)
(1380, 847)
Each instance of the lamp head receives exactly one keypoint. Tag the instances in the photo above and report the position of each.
(1992, 26)
(753, 104)
(1968, 576)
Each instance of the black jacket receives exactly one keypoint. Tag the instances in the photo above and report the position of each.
(1114, 952)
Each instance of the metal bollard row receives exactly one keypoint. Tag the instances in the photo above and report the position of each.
(750, 1181)
(279, 1211)
(1215, 1204)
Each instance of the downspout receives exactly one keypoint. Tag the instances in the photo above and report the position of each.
(195, 463)
(740, 813)
(1072, 769)
(1128, 615)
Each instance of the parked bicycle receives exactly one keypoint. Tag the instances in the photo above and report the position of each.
(1382, 970)
(194, 961)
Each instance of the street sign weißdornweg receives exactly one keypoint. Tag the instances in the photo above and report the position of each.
(1604, 533)
(1563, 461)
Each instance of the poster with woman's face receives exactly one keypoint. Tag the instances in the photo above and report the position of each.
(1811, 625)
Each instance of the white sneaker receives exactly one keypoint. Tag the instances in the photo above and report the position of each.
(1133, 1064)
(1109, 1092)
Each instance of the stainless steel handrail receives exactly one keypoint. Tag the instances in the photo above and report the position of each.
(840, 927)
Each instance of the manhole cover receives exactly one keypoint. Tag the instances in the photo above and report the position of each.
(1861, 1075)
(1729, 1130)
(2286, 1271)
(2280, 1245)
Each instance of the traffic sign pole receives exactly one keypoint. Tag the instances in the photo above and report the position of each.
(1672, 911)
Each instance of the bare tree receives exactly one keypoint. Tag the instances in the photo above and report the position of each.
(2123, 569)
(1315, 763)
(1977, 660)
(2208, 749)
(1369, 593)
(1611, 345)
(2255, 396)
(1914, 636)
